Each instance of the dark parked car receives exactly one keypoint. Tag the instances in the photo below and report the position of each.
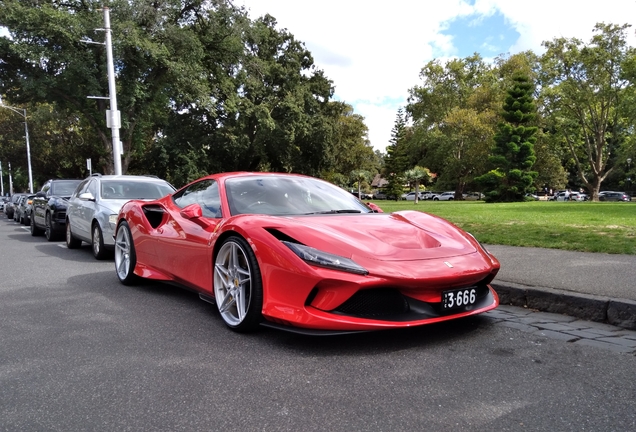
(381, 195)
(9, 209)
(23, 210)
(614, 196)
(49, 208)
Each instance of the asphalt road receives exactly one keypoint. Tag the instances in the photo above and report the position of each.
(81, 352)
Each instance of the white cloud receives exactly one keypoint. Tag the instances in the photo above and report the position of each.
(545, 20)
(373, 51)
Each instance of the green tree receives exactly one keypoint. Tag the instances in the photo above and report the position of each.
(396, 161)
(586, 88)
(202, 88)
(350, 149)
(453, 112)
(155, 60)
(361, 179)
(418, 175)
(513, 154)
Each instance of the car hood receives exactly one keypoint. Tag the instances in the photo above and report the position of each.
(402, 236)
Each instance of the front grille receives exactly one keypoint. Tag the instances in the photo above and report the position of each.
(374, 303)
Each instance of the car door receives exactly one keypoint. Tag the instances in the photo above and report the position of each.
(73, 212)
(86, 209)
(183, 243)
(39, 204)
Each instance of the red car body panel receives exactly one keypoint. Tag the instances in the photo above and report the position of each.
(415, 253)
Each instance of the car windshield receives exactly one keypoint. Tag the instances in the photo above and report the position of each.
(64, 187)
(289, 195)
(122, 189)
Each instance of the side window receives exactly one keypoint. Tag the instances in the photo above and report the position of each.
(80, 189)
(205, 193)
(46, 187)
(92, 187)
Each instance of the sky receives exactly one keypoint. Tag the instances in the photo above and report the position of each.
(373, 51)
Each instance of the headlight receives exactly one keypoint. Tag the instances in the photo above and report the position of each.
(323, 259)
(112, 219)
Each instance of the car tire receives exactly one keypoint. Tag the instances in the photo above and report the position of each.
(435, 199)
(48, 228)
(125, 256)
(97, 242)
(238, 286)
(35, 231)
(71, 242)
(451, 199)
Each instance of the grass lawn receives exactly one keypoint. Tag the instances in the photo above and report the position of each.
(580, 226)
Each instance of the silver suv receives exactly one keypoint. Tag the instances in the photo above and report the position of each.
(93, 208)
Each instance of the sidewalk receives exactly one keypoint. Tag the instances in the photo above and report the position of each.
(590, 286)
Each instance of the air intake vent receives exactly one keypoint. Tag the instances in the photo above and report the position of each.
(374, 303)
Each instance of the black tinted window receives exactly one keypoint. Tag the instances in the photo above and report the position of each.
(64, 187)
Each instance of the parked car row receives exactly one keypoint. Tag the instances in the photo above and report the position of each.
(83, 210)
(441, 196)
(565, 195)
(286, 251)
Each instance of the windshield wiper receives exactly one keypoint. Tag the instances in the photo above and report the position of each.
(336, 211)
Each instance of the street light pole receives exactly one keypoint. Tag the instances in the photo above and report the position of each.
(26, 131)
(1, 181)
(113, 116)
(112, 92)
(10, 181)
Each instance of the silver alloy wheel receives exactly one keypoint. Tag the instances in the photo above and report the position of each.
(232, 283)
(123, 244)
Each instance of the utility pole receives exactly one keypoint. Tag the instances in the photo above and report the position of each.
(1, 181)
(10, 181)
(113, 116)
(115, 121)
(22, 112)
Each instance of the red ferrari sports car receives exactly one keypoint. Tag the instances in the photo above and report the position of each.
(298, 253)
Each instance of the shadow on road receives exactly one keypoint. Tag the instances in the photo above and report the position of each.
(186, 305)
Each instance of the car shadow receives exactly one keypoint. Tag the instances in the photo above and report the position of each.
(376, 342)
(59, 250)
(380, 342)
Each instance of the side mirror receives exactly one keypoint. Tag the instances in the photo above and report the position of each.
(192, 211)
(374, 207)
(86, 196)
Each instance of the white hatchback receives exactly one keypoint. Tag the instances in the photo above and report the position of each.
(446, 196)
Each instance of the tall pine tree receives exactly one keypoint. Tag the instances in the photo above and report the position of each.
(513, 154)
(396, 161)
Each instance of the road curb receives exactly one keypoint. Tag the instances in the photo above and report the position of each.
(617, 312)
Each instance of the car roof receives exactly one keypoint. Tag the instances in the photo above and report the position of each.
(127, 177)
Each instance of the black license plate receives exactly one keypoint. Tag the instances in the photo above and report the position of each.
(459, 298)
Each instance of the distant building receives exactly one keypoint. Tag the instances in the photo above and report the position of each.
(379, 182)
